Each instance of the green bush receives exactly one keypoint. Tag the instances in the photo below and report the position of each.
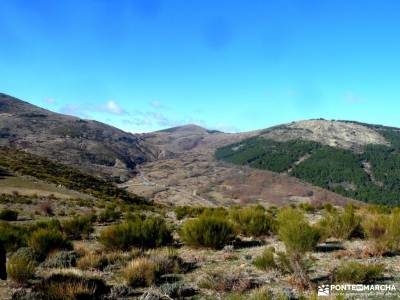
(354, 272)
(77, 227)
(341, 225)
(43, 241)
(252, 220)
(207, 231)
(266, 260)
(53, 224)
(307, 207)
(8, 215)
(187, 211)
(394, 231)
(299, 238)
(295, 232)
(110, 214)
(376, 227)
(20, 268)
(13, 237)
(148, 233)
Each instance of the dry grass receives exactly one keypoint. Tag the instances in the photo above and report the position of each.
(221, 281)
(69, 290)
(99, 260)
(140, 272)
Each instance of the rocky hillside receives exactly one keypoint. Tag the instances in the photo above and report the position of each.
(186, 173)
(177, 165)
(356, 160)
(90, 145)
(346, 135)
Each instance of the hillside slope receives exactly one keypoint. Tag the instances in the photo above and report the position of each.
(20, 163)
(90, 145)
(187, 173)
(365, 167)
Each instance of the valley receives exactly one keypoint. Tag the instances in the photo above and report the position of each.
(92, 212)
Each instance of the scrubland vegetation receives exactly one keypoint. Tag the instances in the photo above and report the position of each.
(151, 253)
(113, 248)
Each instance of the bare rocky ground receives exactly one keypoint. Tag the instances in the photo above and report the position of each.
(346, 135)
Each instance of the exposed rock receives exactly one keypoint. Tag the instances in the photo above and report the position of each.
(347, 135)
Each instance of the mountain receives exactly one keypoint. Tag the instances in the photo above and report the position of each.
(94, 147)
(186, 173)
(356, 160)
(313, 160)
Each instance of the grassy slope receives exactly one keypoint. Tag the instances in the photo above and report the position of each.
(70, 178)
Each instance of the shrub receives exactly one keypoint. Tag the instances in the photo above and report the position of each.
(26, 252)
(394, 230)
(221, 281)
(62, 259)
(13, 237)
(166, 261)
(207, 231)
(187, 211)
(96, 260)
(46, 208)
(354, 272)
(43, 241)
(8, 215)
(20, 268)
(252, 220)
(341, 225)
(295, 232)
(140, 272)
(266, 260)
(77, 227)
(70, 285)
(53, 224)
(383, 232)
(110, 214)
(307, 207)
(299, 238)
(376, 228)
(148, 233)
(261, 293)
(214, 212)
(92, 260)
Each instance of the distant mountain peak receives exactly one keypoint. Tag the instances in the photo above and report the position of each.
(341, 134)
(191, 128)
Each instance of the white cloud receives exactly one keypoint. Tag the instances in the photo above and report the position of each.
(49, 100)
(112, 107)
(155, 104)
(351, 98)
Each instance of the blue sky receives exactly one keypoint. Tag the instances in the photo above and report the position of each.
(234, 65)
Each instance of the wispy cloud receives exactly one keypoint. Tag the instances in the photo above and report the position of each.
(49, 100)
(74, 110)
(84, 110)
(113, 108)
(350, 97)
(156, 104)
(152, 119)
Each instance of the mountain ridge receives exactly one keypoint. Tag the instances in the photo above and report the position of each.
(182, 157)
(90, 145)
